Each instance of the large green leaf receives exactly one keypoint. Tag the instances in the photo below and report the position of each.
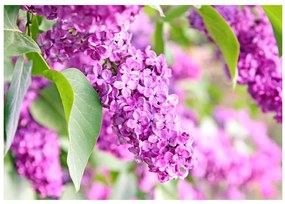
(274, 13)
(158, 37)
(175, 12)
(8, 69)
(16, 42)
(48, 111)
(40, 67)
(83, 125)
(19, 85)
(224, 37)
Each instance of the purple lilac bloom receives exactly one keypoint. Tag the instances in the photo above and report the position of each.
(146, 119)
(95, 30)
(131, 83)
(36, 149)
(109, 142)
(259, 65)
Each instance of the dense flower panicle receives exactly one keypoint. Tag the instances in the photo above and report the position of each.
(259, 65)
(36, 149)
(143, 113)
(131, 83)
(108, 140)
(95, 30)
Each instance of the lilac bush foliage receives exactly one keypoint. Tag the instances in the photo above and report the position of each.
(259, 66)
(132, 84)
(36, 149)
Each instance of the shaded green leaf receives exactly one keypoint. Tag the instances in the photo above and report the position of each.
(46, 24)
(274, 13)
(158, 38)
(176, 11)
(48, 111)
(35, 27)
(83, 125)
(19, 85)
(16, 42)
(40, 67)
(224, 37)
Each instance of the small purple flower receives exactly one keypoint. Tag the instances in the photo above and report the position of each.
(126, 85)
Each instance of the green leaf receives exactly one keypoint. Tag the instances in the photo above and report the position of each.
(48, 111)
(224, 37)
(35, 27)
(19, 85)
(274, 13)
(158, 37)
(16, 42)
(8, 69)
(83, 125)
(178, 34)
(40, 67)
(125, 187)
(159, 9)
(176, 11)
(46, 24)
(70, 193)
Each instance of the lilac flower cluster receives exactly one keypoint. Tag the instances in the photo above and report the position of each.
(131, 83)
(259, 65)
(36, 149)
(94, 30)
(108, 140)
(144, 115)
